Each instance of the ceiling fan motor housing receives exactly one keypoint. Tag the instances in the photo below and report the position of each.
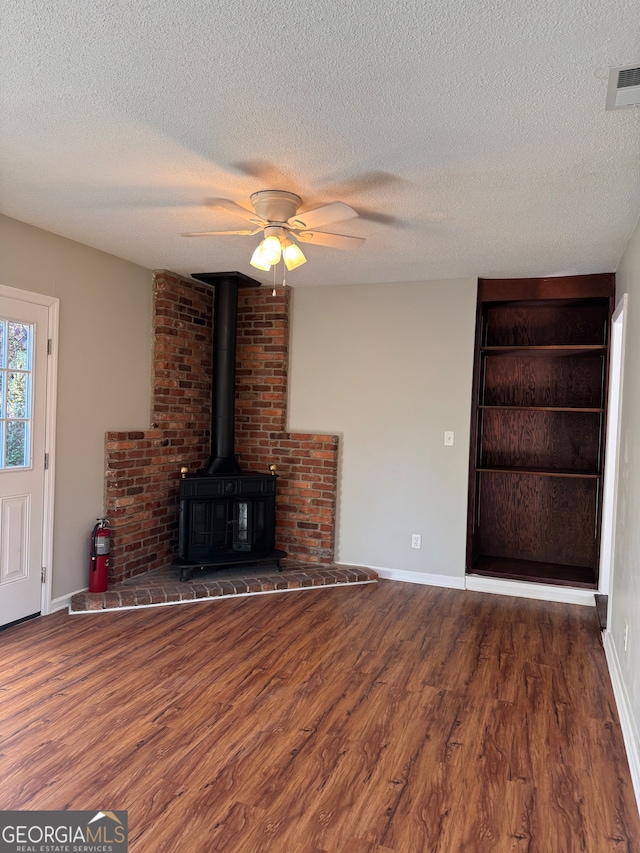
(279, 231)
(275, 205)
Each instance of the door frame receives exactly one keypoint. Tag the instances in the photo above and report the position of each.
(612, 454)
(52, 304)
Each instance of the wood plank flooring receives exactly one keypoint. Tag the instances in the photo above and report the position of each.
(390, 718)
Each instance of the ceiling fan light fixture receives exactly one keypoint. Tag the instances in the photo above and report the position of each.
(293, 257)
(275, 213)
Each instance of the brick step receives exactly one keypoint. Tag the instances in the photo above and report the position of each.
(162, 587)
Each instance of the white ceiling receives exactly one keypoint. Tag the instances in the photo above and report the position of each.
(472, 135)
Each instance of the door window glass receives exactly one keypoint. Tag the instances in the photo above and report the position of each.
(16, 360)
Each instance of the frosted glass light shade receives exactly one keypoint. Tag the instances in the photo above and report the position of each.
(271, 249)
(293, 256)
(258, 261)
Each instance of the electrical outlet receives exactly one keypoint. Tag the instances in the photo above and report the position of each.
(448, 439)
(626, 634)
(416, 540)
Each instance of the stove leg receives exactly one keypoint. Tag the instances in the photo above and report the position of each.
(185, 573)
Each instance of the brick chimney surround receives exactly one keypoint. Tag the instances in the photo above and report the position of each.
(143, 467)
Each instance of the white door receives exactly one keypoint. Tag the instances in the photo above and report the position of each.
(23, 399)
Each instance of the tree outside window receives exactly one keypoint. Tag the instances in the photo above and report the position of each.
(16, 344)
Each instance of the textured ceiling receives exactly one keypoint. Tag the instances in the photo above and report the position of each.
(471, 136)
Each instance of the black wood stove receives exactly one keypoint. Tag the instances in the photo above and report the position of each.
(227, 516)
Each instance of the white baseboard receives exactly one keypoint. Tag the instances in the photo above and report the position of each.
(623, 706)
(522, 589)
(65, 600)
(425, 578)
(498, 586)
(544, 592)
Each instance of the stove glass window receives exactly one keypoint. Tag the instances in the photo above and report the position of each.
(242, 523)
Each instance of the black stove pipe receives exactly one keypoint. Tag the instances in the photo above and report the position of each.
(223, 459)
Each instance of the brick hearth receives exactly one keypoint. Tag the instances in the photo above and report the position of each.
(162, 587)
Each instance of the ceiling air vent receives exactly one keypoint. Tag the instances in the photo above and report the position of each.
(624, 87)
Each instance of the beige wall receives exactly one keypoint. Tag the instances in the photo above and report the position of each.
(389, 368)
(104, 369)
(625, 604)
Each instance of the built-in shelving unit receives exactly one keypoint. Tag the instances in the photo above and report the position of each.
(538, 428)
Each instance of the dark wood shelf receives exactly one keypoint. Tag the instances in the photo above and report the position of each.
(553, 350)
(538, 427)
(572, 382)
(539, 472)
(533, 571)
(588, 409)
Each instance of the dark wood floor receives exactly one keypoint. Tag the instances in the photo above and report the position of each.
(391, 717)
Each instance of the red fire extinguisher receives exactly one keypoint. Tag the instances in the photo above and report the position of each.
(99, 566)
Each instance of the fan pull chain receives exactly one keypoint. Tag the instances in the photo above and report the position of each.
(284, 275)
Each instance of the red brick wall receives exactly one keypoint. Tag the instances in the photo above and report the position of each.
(143, 468)
(306, 464)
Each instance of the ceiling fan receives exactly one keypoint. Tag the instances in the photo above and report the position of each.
(275, 212)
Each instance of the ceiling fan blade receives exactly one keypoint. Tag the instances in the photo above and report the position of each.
(238, 209)
(268, 173)
(334, 241)
(382, 218)
(220, 233)
(364, 182)
(336, 211)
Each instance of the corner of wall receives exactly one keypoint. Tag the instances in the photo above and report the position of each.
(143, 468)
